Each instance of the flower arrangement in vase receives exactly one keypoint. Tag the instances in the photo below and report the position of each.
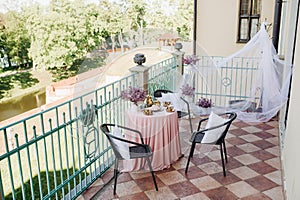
(187, 90)
(190, 60)
(134, 94)
(205, 104)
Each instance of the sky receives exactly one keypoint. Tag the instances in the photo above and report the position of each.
(6, 5)
(15, 4)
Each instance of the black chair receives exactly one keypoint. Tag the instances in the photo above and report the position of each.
(181, 114)
(136, 150)
(199, 134)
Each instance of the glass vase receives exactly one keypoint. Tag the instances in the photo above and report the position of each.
(138, 106)
(205, 111)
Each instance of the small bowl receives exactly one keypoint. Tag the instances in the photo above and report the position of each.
(148, 112)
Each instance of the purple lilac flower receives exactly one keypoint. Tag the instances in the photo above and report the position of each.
(187, 90)
(192, 59)
(204, 102)
(134, 94)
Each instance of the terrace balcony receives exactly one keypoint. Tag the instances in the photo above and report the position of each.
(47, 156)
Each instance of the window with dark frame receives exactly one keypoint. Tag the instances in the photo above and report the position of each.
(248, 19)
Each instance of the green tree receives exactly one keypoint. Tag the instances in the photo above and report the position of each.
(14, 39)
(160, 18)
(136, 11)
(59, 36)
(124, 19)
(113, 21)
(170, 16)
(64, 34)
(184, 19)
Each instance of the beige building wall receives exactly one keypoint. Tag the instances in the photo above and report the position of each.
(217, 26)
(291, 147)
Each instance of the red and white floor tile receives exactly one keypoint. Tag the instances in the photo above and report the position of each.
(253, 170)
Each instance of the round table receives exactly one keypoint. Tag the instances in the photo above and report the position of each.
(161, 132)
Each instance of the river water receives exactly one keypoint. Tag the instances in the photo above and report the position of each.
(17, 106)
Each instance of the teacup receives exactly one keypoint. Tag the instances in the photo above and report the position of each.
(148, 112)
(156, 103)
(170, 108)
(167, 103)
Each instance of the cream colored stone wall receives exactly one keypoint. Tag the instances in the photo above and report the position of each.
(291, 148)
(217, 26)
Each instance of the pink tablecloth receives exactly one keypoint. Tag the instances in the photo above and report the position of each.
(161, 132)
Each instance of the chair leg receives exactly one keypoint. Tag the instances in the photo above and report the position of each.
(116, 175)
(192, 149)
(191, 126)
(190, 155)
(152, 173)
(222, 157)
(225, 151)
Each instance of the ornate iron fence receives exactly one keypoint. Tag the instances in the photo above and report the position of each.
(163, 76)
(229, 82)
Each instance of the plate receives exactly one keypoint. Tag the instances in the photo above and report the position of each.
(155, 108)
(172, 110)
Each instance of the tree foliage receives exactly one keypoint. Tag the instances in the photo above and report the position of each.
(183, 20)
(64, 34)
(59, 36)
(14, 40)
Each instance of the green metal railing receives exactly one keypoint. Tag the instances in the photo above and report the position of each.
(228, 82)
(58, 153)
(163, 76)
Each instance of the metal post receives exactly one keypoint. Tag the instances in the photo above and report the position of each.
(277, 19)
(195, 28)
(179, 57)
(1, 188)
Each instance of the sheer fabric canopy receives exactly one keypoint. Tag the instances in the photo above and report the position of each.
(265, 89)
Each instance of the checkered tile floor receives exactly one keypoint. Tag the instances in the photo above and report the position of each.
(253, 170)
